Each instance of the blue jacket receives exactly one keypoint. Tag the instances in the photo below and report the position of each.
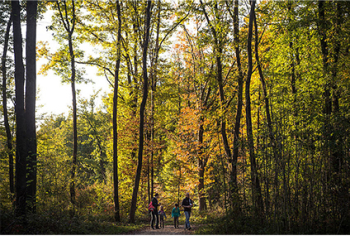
(175, 212)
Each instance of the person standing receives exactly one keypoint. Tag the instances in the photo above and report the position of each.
(154, 212)
(187, 205)
(175, 213)
(162, 216)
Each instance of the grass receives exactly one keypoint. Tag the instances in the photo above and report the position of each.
(62, 223)
(234, 224)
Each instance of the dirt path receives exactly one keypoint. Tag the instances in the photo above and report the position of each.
(167, 230)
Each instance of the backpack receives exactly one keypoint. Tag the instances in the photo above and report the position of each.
(151, 207)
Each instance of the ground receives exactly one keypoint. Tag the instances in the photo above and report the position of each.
(167, 230)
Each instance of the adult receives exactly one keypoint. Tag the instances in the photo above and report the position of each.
(187, 205)
(154, 213)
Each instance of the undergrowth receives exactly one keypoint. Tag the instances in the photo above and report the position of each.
(64, 223)
(241, 224)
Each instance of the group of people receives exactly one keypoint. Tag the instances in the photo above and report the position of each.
(187, 204)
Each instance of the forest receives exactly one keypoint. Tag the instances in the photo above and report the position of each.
(243, 104)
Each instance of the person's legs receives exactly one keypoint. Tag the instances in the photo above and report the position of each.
(157, 219)
(161, 219)
(152, 219)
(176, 222)
(187, 222)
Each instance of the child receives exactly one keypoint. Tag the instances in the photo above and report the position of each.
(161, 215)
(176, 214)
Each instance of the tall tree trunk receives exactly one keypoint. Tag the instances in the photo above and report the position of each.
(75, 131)
(69, 26)
(257, 198)
(219, 51)
(32, 7)
(4, 105)
(75, 135)
(115, 120)
(266, 99)
(327, 88)
(330, 56)
(295, 113)
(20, 204)
(142, 110)
(233, 173)
(279, 161)
(333, 125)
(296, 137)
(136, 80)
(202, 160)
(336, 138)
(153, 91)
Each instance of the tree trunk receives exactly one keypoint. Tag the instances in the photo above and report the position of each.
(153, 91)
(135, 89)
(142, 110)
(277, 150)
(266, 99)
(30, 103)
(69, 26)
(75, 135)
(115, 121)
(295, 115)
(330, 56)
(4, 104)
(201, 167)
(256, 190)
(219, 50)
(327, 87)
(20, 204)
(233, 173)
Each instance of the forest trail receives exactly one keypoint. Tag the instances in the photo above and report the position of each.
(167, 230)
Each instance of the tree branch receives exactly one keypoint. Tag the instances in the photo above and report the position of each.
(96, 64)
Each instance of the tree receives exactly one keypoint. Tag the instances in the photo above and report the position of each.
(4, 103)
(256, 189)
(240, 81)
(330, 58)
(25, 109)
(21, 145)
(30, 101)
(218, 30)
(69, 25)
(142, 110)
(218, 46)
(153, 81)
(115, 117)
